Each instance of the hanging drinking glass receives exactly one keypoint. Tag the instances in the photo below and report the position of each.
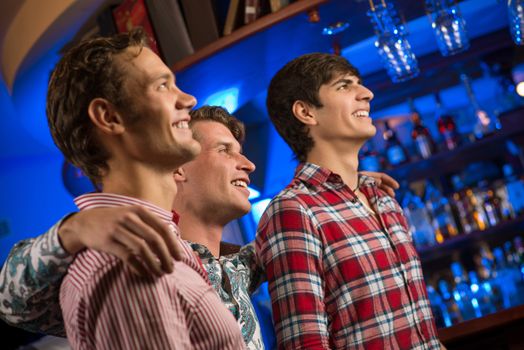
(516, 20)
(448, 25)
(393, 47)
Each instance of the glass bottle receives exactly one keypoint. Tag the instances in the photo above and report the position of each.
(482, 293)
(438, 308)
(446, 126)
(515, 189)
(470, 214)
(395, 151)
(420, 134)
(505, 278)
(485, 123)
(492, 205)
(418, 219)
(440, 212)
(462, 294)
(451, 305)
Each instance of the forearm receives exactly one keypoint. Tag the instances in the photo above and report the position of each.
(30, 281)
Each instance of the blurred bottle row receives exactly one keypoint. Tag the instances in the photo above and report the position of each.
(424, 144)
(496, 282)
(434, 217)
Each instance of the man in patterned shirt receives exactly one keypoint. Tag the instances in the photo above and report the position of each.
(341, 266)
(115, 111)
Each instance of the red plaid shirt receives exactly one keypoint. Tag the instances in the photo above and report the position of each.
(339, 277)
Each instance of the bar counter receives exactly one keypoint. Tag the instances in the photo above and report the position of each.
(503, 330)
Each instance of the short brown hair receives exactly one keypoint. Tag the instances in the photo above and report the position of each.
(85, 72)
(300, 80)
(222, 116)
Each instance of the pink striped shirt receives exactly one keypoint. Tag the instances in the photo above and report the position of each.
(105, 306)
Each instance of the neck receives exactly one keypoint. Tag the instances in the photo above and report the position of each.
(205, 232)
(341, 159)
(139, 181)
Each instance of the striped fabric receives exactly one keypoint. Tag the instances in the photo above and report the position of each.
(339, 276)
(105, 306)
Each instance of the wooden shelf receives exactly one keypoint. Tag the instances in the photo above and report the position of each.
(246, 31)
(452, 161)
(495, 235)
(502, 329)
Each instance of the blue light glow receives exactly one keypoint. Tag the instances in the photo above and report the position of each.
(253, 194)
(226, 98)
(257, 209)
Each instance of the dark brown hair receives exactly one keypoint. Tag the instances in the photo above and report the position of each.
(87, 71)
(222, 116)
(300, 80)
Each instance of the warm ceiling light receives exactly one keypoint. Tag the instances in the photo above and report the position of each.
(520, 88)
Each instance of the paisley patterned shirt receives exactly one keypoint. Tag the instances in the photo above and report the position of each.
(30, 284)
(31, 276)
(235, 277)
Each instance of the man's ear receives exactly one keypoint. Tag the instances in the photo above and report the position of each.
(304, 112)
(105, 117)
(180, 175)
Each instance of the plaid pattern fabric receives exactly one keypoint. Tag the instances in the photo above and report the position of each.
(341, 277)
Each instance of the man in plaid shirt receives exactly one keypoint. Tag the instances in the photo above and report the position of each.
(342, 269)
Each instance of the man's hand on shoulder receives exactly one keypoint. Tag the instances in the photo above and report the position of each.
(133, 234)
(384, 181)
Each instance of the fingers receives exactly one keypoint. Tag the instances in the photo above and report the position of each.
(135, 229)
(131, 260)
(389, 181)
(384, 182)
(170, 240)
(139, 249)
(150, 240)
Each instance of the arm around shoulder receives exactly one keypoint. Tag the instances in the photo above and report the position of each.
(30, 283)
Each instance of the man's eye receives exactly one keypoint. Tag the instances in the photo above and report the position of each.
(343, 87)
(163, 85)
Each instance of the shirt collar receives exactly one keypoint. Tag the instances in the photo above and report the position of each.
(317, 175)
(101, 199)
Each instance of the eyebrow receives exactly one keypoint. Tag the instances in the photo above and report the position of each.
(161, 76)
(346, 81)
(228, 144)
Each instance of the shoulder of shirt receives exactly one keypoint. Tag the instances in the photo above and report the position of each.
(88, 264)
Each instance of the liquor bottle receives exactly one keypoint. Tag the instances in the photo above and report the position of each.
(438, 308)
(418, 219)
(440, 213)
(519, 249)
(482, 293)
(395, 152)
(462, 294)
(469, 213)
(514, 265)
(420, 134)
(449, 301)
(486, 270)
(446, 126)
(515, 189)
(492, 204)
(479, 216)
(506, 280)
(369, 159)
(485, 123)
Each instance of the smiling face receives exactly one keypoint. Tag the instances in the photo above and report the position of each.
(344, 115)
(217, 179)
(157, 118)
